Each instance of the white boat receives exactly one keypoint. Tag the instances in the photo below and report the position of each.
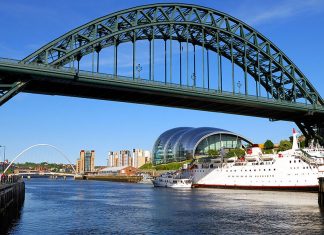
(172, 180)
(146, 179)
(294, 169)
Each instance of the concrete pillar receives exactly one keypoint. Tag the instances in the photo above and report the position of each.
(321, 186)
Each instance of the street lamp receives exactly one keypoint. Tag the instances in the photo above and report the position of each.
(4, 155)
(139, 68)
(193, 77)
(239, 86)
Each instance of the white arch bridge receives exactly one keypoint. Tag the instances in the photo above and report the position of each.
(43, 145)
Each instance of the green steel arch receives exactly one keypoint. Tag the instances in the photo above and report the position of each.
(214, 30)
(49, 70)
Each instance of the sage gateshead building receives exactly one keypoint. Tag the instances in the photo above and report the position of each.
(184, 143)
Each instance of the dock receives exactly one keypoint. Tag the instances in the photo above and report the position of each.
(12, 196)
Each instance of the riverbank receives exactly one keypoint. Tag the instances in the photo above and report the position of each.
(128, 179)
(12, 196)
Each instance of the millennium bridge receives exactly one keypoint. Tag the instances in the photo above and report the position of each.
(211, 61)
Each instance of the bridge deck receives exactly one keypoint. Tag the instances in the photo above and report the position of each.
(42, 79)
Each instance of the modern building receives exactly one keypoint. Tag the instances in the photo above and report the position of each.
(140, 157)
(184, 143)
(85, 163)
(123, 158)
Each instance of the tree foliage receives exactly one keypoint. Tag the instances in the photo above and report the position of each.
(268, 144)
(212, 153)
(284, 145)
(168, 166)
(235, 152)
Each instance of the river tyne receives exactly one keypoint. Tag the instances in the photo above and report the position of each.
(95, 207)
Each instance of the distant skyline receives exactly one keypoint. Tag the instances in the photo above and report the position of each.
(72, 124)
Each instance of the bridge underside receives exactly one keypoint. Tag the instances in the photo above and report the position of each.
(178, 99)
(169, 95)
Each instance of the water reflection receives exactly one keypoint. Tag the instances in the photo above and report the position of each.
(9, 223)
(90, 207)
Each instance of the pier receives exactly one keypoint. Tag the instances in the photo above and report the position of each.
(12, 196)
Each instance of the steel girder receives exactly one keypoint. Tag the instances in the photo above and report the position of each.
(7, 91)
(214, 30)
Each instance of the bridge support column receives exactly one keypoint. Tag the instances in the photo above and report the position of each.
(321, 189)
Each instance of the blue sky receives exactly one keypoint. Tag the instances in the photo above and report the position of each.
(72, 124)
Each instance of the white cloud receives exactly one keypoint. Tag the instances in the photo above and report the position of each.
(256, 15)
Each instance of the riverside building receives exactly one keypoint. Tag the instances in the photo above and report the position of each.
(85, 164)
(123, 158)
(185, 143)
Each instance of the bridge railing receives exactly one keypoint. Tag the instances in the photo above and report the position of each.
(208, 91)
(185, 87)
(9, 61)
(9, 179)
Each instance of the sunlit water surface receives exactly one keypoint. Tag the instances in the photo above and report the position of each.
(95, 207)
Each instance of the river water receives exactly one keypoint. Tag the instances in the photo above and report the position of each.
(96, 207)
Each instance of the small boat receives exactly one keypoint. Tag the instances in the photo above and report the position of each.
(146, 179)
(172, 180)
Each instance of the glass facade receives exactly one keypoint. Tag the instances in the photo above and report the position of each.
(184, 143)
(87, 161)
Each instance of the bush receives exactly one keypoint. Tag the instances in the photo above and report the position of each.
(212, 153)
(268, 151)
(147, 166)
(235, 152)
(168, 166)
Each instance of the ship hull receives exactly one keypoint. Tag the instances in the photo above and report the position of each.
(306, 188)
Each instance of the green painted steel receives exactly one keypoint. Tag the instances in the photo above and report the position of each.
(286, 86)
(137, 23)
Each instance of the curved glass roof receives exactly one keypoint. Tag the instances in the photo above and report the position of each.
(179, 144)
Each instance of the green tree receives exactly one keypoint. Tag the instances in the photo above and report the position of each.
(212, 153)
(284, 145)
(235, 152)
(268, 144)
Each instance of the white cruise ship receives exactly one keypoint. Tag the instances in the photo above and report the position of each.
(294, 169)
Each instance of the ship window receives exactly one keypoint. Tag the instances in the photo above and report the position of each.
(269, 169)
(264, 169)
(294, 161)
(274, 169)
(254, 169)
(289, 161)
(299, 160)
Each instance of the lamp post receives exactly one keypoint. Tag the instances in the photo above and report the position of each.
(139, 68)
(193, 77)
(4, 156)
(239, 86)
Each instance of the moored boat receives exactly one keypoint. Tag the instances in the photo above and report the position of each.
(172, 180)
